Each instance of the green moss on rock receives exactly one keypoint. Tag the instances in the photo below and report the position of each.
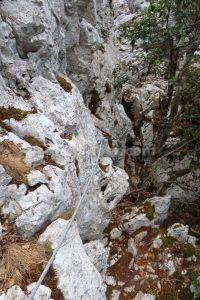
(188, 250)
(149, 210)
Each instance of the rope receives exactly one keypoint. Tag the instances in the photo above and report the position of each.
(53, 256)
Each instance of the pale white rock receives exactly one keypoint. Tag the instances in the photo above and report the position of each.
(105, 241)
(35, 177)
(140, 236)
(5, 179)
(192, 258)
(115, 233)
(98, 254)
(132, 249)
(175, 191)
(43, 292)
(37, 208)
(137, 278)
(150, 269)
(34, 155)
(14, 293)
(131, 263)
(115, 295)
(180, 232)
(136, 223)
(120, 283)
(103, 197)
(148, 137)
(157, 242)
(143, 296)
(110, 280)
(137, 5)
(9, 197)
(1, 230)
(169, 266)
(158, 284)
(161, 206)
(183, 165)
(77, 276)
(129, 289)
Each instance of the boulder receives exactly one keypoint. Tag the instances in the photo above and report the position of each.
(136, 223)
(180, 232)
(161, 206)
(115, 233)
(77, 276)
(132, 249)
(43, 292)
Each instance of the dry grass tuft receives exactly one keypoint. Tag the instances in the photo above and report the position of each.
(67, 87)
(11, 158)
(12, 113)
(18, 260)
(34, 142)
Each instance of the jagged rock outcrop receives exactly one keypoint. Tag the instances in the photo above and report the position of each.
(39, 43)
(65, 133)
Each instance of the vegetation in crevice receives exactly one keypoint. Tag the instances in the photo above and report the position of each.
(94, 101)
(119, 77)
(108, 137)
(67, 136)
(149, 210)
(65, 85)
(13, 113)
(34, 141)
(77, 167)
(108, 87)
(12, 159)
(19, 259)
(50, 161)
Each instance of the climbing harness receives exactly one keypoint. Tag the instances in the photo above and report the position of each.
(100, 142)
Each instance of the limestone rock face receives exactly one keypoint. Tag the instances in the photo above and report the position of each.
(65, 134)
(41, 42)
(77, 276)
